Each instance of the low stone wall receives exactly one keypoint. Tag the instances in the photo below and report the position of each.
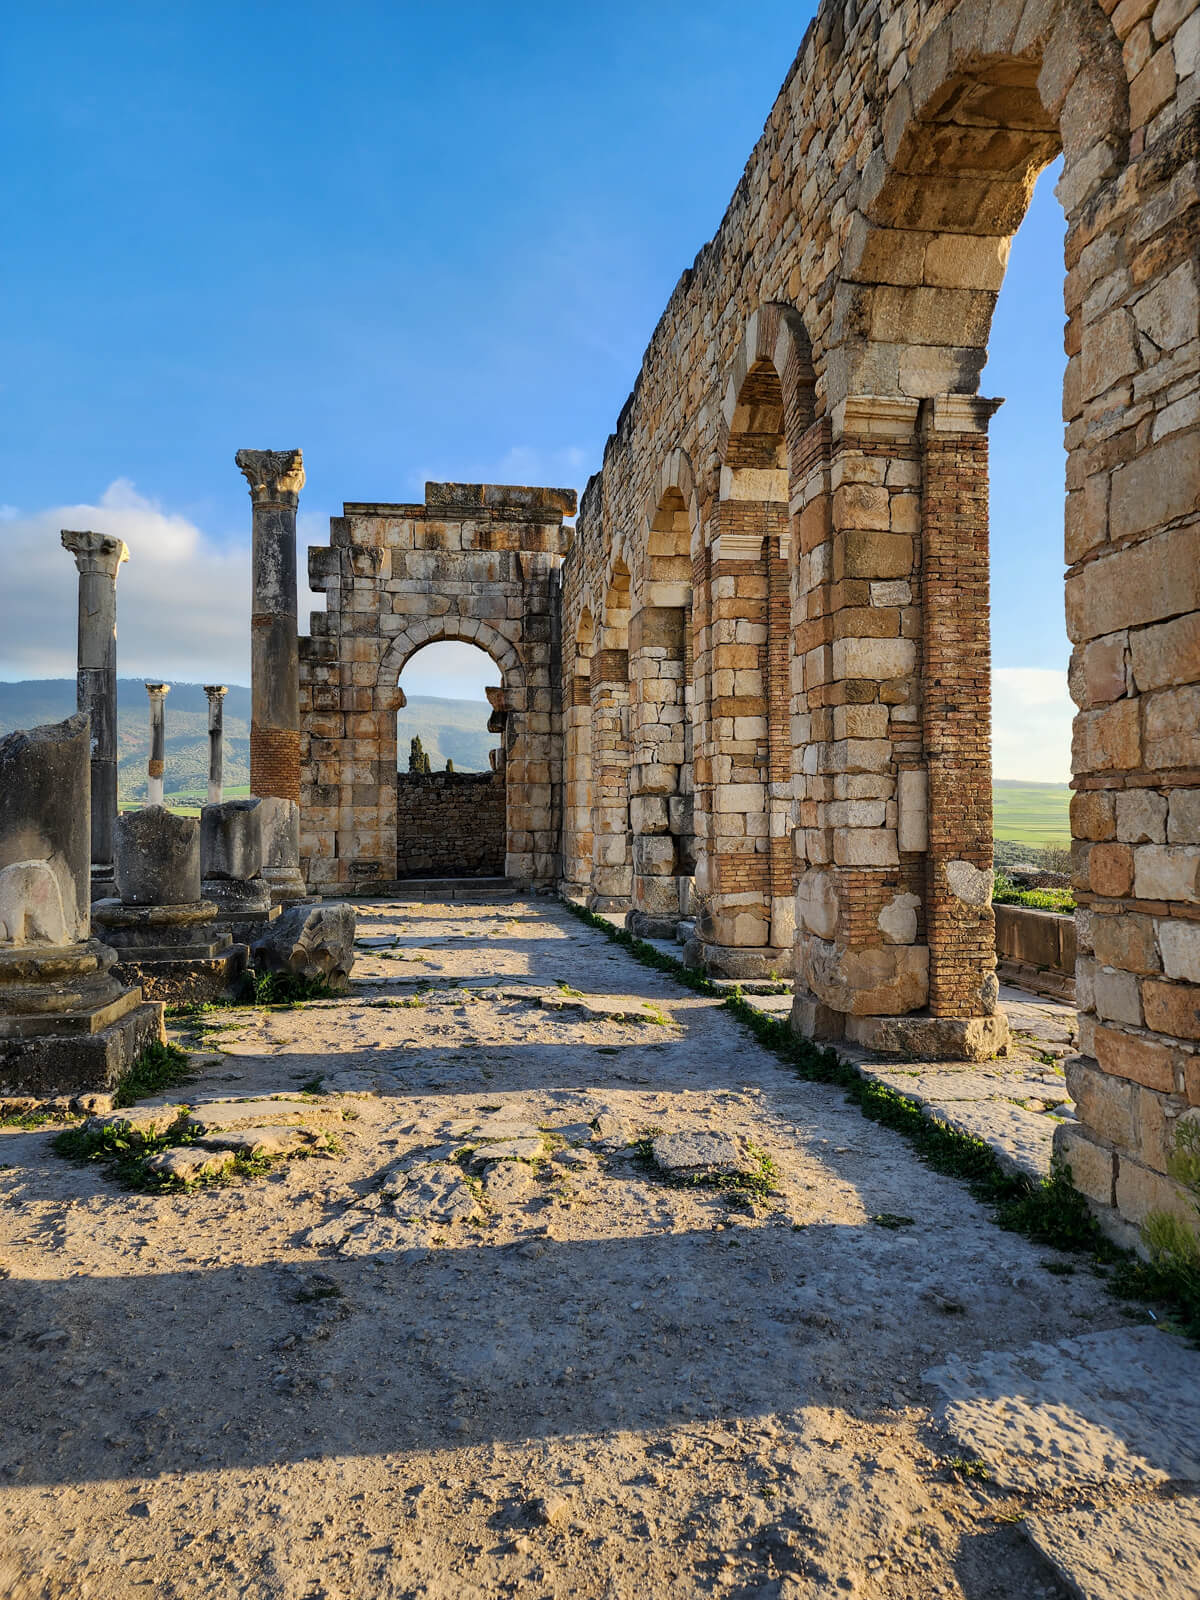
(1036, 949)
(449, 825)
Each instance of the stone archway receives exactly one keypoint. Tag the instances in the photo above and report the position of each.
(476, 562)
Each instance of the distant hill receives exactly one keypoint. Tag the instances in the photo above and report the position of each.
(1031, 813)
(455, 729)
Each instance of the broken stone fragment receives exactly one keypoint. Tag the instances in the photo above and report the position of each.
(439, 1194)
(188, 1162)
(259, 1141)
(527, 1149)
(312, 942)
(687, 1155)
(139, 1124)
(223, 1115)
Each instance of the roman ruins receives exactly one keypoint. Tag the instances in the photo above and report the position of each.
(745, 699)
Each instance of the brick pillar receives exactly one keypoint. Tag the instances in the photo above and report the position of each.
(735, 921)
(895, 838)
(612, 873)
(957, 707)
(577, 739)
(657, 686)
(275, 478)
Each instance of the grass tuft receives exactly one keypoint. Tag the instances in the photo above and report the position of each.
(159, 1067)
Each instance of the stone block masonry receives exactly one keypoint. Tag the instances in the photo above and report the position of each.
(450, 825)
(475, 562)
(807, 409)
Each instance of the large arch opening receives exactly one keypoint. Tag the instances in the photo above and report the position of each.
(451, 812)
(511, 755)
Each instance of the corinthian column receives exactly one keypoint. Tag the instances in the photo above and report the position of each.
(216, 693)
(276, 478)
(158, 693)
(98, 557)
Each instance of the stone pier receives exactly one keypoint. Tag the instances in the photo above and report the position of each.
(231, 861)
(276, 478)
(166, 935)
(158, 693)
(98, 557)
(216, 693)
(68, 1024)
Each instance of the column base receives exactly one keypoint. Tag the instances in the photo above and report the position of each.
(186, 980)
(286, 884)
(645, 926)
(608, 902)
(745, 961)
(924, 1038)
(75, 1062)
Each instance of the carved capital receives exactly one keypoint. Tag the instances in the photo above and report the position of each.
(275, 476)
(96, 552)
(158, 691)
(216, 691)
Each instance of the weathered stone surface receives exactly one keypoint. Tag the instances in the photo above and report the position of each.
(231, 842)
(157, 857)
(1124, 1552)
(699, 1155)
(314, 942)
(187, 1163)
(224, 1115)
(1092, 1410)
(45, 832)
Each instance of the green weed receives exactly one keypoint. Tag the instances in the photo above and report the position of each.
(159, 1067)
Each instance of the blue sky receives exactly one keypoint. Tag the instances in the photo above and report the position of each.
(418, 241)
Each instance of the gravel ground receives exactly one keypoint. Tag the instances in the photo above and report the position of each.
(425, 1366)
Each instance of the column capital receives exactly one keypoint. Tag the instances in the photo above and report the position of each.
(158, 691)
(882, 416)
(214, 691)
(959, 413)
(95, 552)
(276, 477)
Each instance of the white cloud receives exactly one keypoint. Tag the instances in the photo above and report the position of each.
(1031, 724)
(183, 598)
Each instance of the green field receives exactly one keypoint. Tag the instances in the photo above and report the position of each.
(1031, 813)
(188, 802)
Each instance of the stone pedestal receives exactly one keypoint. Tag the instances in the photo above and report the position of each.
(167, 936)
(280, 822)
(67, 1021)
(231, 853)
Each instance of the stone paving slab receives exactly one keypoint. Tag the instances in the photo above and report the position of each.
(1132, 1552)
(1022, 1141)
(1106, 1408)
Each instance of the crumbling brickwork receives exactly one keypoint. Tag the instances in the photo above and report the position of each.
(807, 410)
(450, 825)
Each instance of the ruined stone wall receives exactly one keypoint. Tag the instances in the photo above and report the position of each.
(477, 562)
(450, 825)
(823, 354)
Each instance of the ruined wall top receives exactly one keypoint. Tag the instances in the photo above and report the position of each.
(487, 516)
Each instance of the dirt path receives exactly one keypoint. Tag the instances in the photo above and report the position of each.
(553, 1376)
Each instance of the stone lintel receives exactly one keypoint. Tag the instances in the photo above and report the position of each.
(276, 477)
(882, 416)
(959, 413)
(95, 552)
(537, 504)
(737, 546)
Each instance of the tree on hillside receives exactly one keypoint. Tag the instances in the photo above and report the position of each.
(418, 761)
(449, 766)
